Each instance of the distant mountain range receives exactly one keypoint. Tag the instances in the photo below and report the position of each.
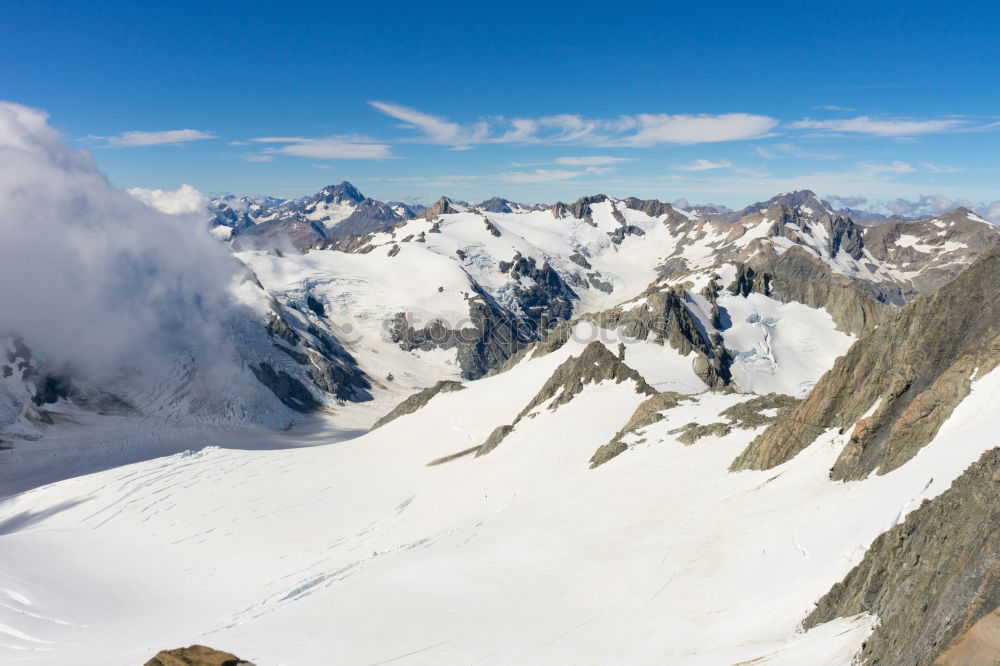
(341, 211)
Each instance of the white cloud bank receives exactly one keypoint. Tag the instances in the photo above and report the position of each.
(184, 200)
(96, 279)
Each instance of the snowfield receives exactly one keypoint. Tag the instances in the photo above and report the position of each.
(358, 552)
(168, 490)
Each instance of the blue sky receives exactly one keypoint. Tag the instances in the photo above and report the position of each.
(711, 102)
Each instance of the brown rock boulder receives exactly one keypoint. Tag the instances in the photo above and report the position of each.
(196, 655)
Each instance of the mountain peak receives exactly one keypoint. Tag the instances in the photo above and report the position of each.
(443, 206)
(345, 191)
(803, 200)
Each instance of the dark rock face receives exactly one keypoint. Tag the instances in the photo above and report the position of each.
(535, 301)
(843, 234)
(493, 336)
(418, 400)
(290, 391)
(547, 300)
(369, 216)
(496, 205)
(301, 232)
(619, 234)
(553, 340)
(328, 366)
(666, 318)
(796, 276)
(748, 281)
(650, 207)
(580, 209)
(196, 655)
(580, 260)
(917, 365)
(930, 579)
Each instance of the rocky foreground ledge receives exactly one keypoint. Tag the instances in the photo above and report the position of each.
(196, 655)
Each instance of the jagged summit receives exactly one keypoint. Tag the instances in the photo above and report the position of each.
(803, 200)
(340, 193)
(443, 206)
(496, 205)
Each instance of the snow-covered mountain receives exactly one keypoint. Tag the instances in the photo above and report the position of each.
(604, 431)
(333, 212)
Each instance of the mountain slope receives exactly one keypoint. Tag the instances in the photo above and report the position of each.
(899, 383)
(930, 578)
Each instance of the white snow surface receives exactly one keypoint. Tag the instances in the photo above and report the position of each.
(357, 552)
(780, 347)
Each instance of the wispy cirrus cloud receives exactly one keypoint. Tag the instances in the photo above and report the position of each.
(328, 148)
(593, 160)
(833, 107)
(940, 168)
(550, 175)
(702, 165)
(785, 150)
(884, 127)
(896, 166)
(640, 130)
(690, 129)
(437, 129)
(136, 138)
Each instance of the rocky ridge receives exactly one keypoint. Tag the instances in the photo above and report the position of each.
(898, 383)
(930, 579)
(595, 364)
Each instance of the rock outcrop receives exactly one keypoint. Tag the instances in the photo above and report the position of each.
(930, 579)
(647, 413)
(746, 415)
(442, 206)
(911, 372)
(665, 318)
(196, 655)
(594, 365)
(493, 335)
(419, 400)
(325, 364)
(536, 300)
(979, 645)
